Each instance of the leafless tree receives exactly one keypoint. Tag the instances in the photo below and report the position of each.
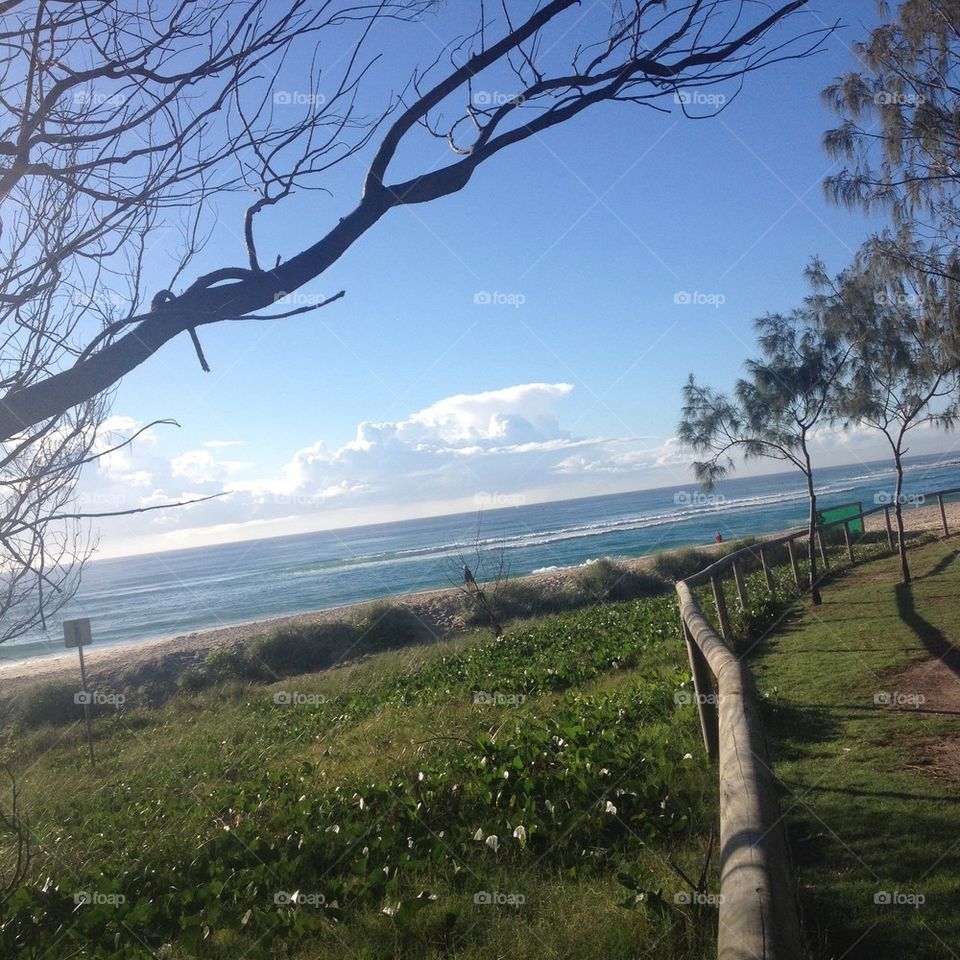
(122, 121)
(480, 573)
(15, 840)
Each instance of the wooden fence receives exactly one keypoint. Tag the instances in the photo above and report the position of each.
(759, 917)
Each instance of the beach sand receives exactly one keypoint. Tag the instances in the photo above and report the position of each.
(440, 611)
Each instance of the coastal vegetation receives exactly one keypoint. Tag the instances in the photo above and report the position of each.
(544, 790)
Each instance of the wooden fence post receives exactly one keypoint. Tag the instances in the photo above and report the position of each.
(721, 604)
(886, 517)
(823, 550)
(846, 537)
(793, 564)
(706, 697)
(943, 515)
(767, 575)
(741, 586)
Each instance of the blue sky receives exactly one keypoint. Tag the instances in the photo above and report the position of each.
(566, 383)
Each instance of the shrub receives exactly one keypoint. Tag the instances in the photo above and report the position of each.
(52, 702)
(296, 650)
(385, 626)
(608, 581)
(675, 565)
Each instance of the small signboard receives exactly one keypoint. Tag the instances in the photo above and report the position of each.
(76, 633)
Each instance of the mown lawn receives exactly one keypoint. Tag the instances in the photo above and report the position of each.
(524, 797)
(874, 837)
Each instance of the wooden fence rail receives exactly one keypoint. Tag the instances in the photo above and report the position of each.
(759, 917)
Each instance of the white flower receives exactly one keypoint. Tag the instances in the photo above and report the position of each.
(520, 834)
(493, 842)
(610, 808)
(479, 834)
(688, 756)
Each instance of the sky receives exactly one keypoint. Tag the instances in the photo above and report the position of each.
(524, 340)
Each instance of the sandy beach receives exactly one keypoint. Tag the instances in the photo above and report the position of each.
(440, 611)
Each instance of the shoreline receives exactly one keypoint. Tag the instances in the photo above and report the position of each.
(438, 608)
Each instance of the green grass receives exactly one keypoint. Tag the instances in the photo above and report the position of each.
(377, 787)
(862, 819)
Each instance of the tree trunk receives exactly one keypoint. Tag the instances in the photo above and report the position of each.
(811, 541)
(898, 513)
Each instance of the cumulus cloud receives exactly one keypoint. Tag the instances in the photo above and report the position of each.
(509, 441)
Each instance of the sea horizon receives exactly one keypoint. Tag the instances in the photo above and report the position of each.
(146, 597)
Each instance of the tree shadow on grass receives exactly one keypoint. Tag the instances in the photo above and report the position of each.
(851, 853)
(940, 565)
(791, 729)
(936, 642)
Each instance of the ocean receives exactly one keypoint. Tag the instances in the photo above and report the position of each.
(160, 595)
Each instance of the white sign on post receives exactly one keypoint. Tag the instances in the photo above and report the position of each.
(76, 633)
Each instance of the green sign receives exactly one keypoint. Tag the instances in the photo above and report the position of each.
(851, 512)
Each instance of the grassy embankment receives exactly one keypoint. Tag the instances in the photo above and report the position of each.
(555, 772)
(869, 760)
(374, 797)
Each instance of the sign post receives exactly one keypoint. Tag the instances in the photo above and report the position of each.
(76, 633)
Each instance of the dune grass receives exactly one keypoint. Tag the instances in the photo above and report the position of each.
(872, 835)
(525, 796)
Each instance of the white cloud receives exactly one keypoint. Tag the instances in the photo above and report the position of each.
(507, 443)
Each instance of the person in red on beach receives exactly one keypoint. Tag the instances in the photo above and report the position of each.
(719, 537)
